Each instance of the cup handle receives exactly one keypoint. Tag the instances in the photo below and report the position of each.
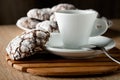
(100, 27)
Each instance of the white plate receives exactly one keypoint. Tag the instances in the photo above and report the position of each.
(55, 46)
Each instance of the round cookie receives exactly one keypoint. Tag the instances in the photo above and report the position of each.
(49, 26)
(27, 23)
(27, 44)
(52, 17)
(41, 14)
(63, 6)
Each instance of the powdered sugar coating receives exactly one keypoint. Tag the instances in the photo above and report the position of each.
(49, 26)
(27, 44)
(41, 14)
(52, 18)
(27, 23)
(63, 6)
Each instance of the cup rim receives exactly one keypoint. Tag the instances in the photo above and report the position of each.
(77, 11)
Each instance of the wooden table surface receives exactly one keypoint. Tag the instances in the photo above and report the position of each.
(7, 32)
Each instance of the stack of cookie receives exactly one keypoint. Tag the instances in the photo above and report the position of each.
(38, 25)
(42, 18)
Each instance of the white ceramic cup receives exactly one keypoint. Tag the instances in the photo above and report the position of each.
(76, 26)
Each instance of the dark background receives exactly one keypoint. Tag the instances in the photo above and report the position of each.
(12, 10)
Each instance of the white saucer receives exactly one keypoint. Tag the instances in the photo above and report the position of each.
(55, 46)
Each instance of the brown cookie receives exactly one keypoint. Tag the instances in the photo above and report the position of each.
(41, 14)
(27, 44)
(52, 17)
(49, 26)
(63, 6)
(27, 23)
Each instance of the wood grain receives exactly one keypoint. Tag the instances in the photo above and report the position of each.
(67, 67)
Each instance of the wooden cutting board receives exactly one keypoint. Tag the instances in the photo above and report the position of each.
(52, 65)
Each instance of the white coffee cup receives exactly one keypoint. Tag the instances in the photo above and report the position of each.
(76, 26)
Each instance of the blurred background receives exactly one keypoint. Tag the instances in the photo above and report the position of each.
(12, 10)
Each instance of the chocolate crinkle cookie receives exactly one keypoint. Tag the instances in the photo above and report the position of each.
(27, 23)
(27, 44)
(63, 6)
(49, 26)
(40, 14)
(52, 18)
